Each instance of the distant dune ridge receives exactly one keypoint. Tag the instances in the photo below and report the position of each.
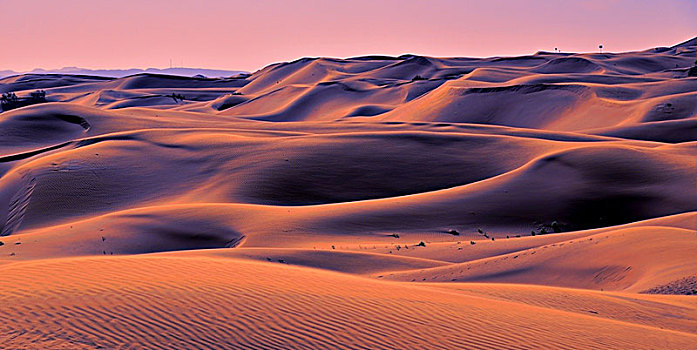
(541, 201)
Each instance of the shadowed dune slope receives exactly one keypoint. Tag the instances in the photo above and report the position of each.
(463, 187)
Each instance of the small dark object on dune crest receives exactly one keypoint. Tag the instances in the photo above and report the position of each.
(472, 243)
(394, 235)
(176, 97)
(453, 232)
(421, 244)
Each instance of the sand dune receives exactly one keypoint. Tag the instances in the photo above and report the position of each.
(630, 260)
(186, 302)
(541, 201)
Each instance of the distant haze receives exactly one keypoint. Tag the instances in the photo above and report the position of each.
(118, 73)
(247, 35)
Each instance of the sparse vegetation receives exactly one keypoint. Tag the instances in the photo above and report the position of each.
(10, 100)
(8, 97)
(683, 286)
(176, 97)
(453, 232)
(692, 72)
(421, 244)
(555, 226)
(481, 232)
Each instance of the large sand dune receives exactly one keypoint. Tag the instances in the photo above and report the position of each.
(542, 201)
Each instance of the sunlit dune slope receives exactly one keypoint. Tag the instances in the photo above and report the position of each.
(220, 303)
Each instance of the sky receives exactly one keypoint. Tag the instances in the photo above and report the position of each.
(248, 35)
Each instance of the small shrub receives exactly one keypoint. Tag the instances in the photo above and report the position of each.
(692, 72)
(556, 227)
(176, 97)
(10, 100)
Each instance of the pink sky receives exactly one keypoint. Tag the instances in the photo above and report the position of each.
(248, 35)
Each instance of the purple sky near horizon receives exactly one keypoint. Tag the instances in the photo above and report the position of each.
(247, 35)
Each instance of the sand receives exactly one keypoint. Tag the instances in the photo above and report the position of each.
(544, 201)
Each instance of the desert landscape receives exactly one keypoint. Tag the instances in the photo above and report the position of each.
(546, 201)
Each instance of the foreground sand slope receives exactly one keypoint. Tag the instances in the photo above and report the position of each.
(222, 303)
